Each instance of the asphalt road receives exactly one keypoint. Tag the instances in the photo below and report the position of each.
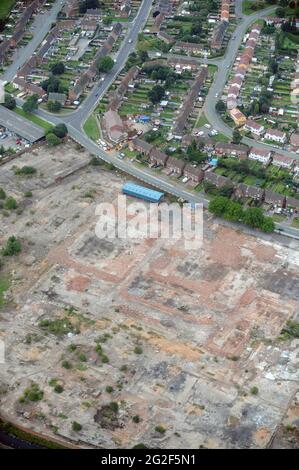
(40, 28)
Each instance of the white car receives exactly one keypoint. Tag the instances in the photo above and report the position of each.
(130, 41)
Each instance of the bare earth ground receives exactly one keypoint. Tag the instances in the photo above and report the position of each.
(205, 323)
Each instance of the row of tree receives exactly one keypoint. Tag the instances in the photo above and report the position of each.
(253, 217)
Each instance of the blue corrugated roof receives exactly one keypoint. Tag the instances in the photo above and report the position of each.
(142, 192)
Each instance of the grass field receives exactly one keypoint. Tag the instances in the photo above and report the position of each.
(33, 118)
(91, 128)
(5, 7)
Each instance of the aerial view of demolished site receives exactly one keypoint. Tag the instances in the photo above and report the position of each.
(149, 224)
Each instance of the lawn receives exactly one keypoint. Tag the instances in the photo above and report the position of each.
(5, 7)
(91, 128)
(202, 121)
(4, 285)
(33, 118)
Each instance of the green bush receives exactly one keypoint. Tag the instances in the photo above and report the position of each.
(76, 426)
(58, 388)
(13, 247)
(10, 203)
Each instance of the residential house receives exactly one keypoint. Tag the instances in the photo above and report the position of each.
(224, 13)
(28, 87)
(165, 37)
(189, 103)
(275, 135)
(175, 165)
(282, 161)
(218, 35)
(125, 9)
(294, 140)
(183, 63)
(114, 126)
(142, 146)
(274, 199)
(71, 8)
(206, 142)
(243, 191)
(217, 180)
(189, 47)
(195, 174)
(118, 95)
(232, 150)
(157, 23)
(238, 117)
(158, 158)
(292, 202)
(254, 127)
(262, 156)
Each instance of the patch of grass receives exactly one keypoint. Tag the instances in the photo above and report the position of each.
(91, 128)
(33, 118)
(5, 8)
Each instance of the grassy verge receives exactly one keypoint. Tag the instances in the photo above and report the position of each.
(26, 436)
(5, 7)
(4, 286)
(91, 128)
(33, 118)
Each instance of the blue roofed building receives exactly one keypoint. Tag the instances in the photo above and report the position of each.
(135, 190)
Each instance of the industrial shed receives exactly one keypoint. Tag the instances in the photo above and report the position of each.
(132, 189)
(20, 126)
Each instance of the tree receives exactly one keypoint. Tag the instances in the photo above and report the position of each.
(60, 130)
(220, 106)
(234, 212)
(58, 68)
(54, 106)
(237, 136)
(105, 64)
(280, 12)
(143, 56)
(13, 247)
(218, 205)
(53, 85)
(88, 4)
(254, 217)
(52, 139)
(10, 102)
(268, 225)
(2, 193)
(31, 104)
(156, 94)
(76, 426)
